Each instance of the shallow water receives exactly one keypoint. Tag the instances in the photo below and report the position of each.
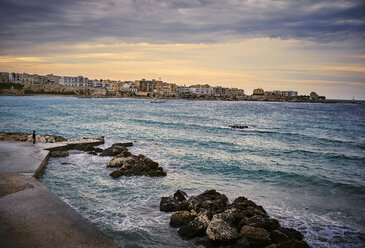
(305, 163)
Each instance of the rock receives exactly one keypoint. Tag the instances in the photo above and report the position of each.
(180, 195)
(257, 237)
(59, 154)
(78, 147)
(97, 149)
(117, 173)
(126, 144)
(92, 153)
(292, 233)
(40, 139)
(114, 151)
(294, 244)
(88, 148)
(209, 200)
(218, 230)
(196, 227)
(181, 218)
(58, 138)
(278, 237)
(251, 211)
(232, 216)
(271, 246)
(168, 204)
(116, 162)
(263, 222)
(150, 163)
(242, 243)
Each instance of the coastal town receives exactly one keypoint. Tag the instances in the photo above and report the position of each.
(24, 84)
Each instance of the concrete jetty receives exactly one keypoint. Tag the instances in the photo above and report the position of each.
(30, 214)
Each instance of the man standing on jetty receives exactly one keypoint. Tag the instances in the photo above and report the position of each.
(34, 137)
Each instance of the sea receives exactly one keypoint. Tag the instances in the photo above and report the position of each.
(303, 162)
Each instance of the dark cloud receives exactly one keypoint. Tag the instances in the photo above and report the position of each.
(24, 22)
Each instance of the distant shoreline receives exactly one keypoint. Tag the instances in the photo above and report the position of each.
(192, 98)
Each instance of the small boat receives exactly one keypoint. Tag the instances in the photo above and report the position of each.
(157, 100)
(238, 126)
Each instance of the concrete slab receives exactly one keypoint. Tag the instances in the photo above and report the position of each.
(21, 157)
(35, 217)
(30, 214)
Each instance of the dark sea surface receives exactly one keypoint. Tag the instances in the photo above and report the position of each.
(303, 162)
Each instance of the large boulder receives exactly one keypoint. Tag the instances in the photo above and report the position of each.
(116, 162)
(180, 195)
(232, 216)
(257, 237)
(196, 227)
(209, 200)
(117, 173)
(263, 222)
(219, 230)
(168, 204)
(277, 237)
(181, 218)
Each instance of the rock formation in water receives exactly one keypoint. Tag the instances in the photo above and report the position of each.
(241, 224)
(128, 164)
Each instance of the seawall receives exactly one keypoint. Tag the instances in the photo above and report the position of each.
(30, 214)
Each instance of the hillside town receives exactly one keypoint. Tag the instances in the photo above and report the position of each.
(24, 83)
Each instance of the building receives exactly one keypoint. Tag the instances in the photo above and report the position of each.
(15, 77)
(286, 94)
(182, 90)
(53, 79)
(68, 81)
(199, 90)
(4, 77)
(258, 91)
(115, 86)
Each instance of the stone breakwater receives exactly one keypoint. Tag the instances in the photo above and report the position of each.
(125, 162)
(241, 224)
(128, 164)
(46, 138)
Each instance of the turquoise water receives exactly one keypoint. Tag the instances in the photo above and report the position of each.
(305, 163)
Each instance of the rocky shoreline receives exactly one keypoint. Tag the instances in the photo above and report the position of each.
(218, 223)
(208, 218)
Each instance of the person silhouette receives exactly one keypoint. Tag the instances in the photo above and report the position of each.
(34, 136)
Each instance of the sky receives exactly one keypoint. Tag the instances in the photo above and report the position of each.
(302, 45)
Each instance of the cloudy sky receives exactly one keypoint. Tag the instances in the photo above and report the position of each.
(303, 45)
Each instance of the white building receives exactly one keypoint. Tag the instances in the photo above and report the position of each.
(15, 77)
(287, 93)
(78, 81)
(129, 87)
(200, 91)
